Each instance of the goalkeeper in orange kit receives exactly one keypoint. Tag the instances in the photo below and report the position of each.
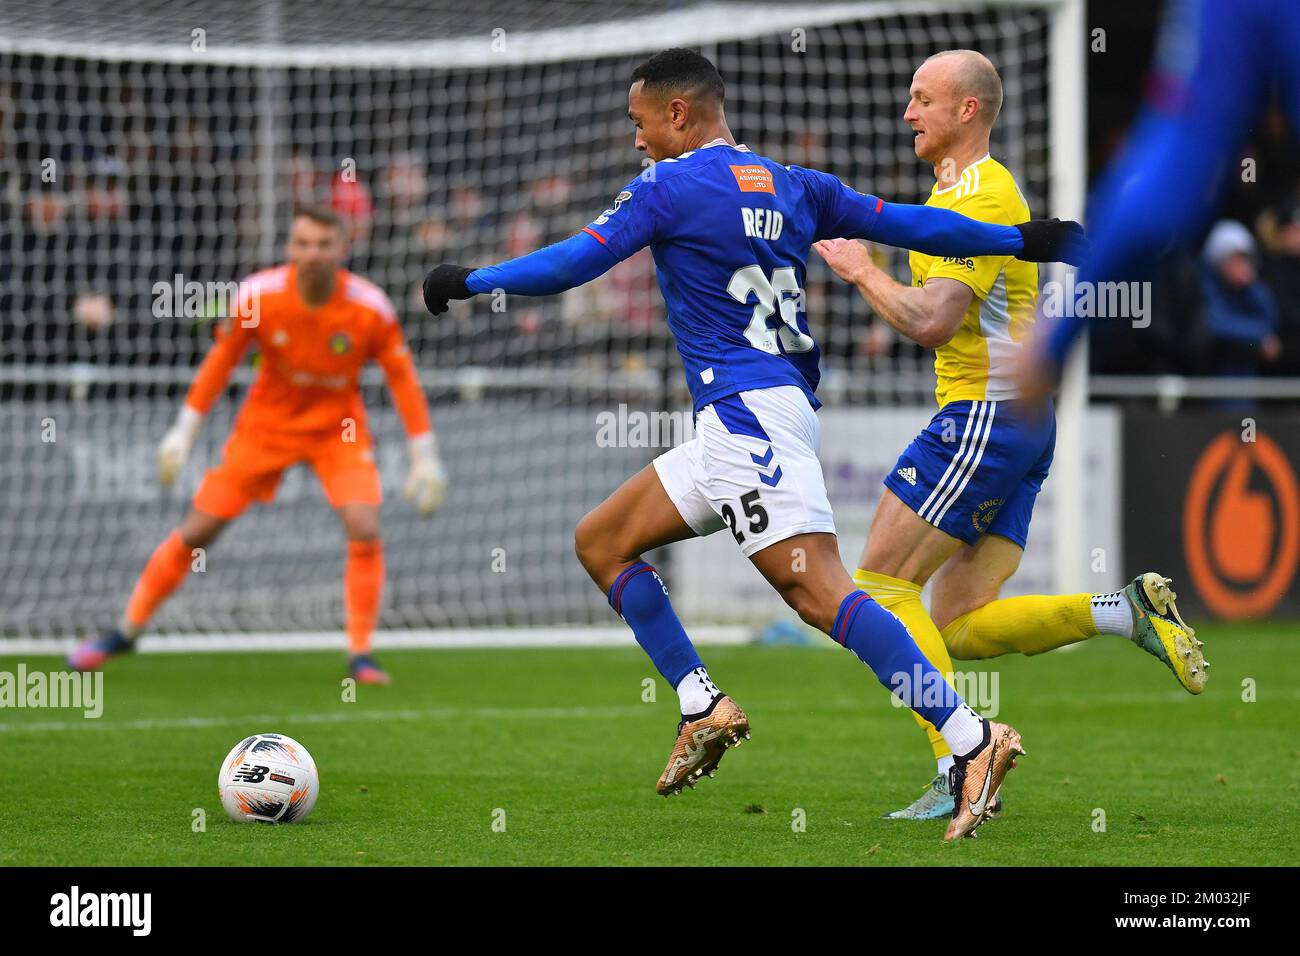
(316, 325)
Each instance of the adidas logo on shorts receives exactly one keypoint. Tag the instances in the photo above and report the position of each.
(908, 475)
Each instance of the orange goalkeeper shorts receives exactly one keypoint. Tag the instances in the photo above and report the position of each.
(253, 462)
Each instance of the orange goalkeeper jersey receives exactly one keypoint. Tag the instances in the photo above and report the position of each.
(311, 358)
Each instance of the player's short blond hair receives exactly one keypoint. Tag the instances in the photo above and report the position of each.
(975, 75)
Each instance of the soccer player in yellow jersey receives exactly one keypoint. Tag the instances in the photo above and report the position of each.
(956, 506)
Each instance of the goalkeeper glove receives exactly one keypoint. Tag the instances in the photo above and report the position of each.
(1053, 240)
(426, 482)
(443, 283)
(176, 444)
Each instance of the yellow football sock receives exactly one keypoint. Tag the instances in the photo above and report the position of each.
(1027, 625)
(904, 599)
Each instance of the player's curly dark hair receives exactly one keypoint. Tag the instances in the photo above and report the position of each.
(678, 72)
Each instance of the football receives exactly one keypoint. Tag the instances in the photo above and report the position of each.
(268, 778)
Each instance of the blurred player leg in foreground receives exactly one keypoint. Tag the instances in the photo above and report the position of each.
(1216, 68)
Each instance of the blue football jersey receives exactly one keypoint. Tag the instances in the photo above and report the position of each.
(730, 232)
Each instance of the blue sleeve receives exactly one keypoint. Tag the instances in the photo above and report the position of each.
(633, 219)
(942, 232)
(629, 224)
(846, 213)
(548, 271)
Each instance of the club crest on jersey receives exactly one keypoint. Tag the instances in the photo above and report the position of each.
(621, 198)
(340, 344)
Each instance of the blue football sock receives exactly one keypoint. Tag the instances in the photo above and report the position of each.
(880, 641)
(640, 597)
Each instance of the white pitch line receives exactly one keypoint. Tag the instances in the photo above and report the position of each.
(430, 639)
(331, 717)
(864, 706)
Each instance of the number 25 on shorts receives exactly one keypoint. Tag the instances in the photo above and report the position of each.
(753, 510)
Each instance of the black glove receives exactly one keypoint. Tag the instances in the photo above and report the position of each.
(443, 283)
(1053, 240)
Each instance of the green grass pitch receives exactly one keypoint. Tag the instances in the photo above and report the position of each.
(562, 742)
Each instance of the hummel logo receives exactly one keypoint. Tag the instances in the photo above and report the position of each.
(908, 475)
(764, 461)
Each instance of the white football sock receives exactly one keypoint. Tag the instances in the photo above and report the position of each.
(696, 691)
(1111, 614)
(945, 764)
(963, 731)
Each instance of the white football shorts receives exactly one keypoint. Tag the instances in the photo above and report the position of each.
(752, 467)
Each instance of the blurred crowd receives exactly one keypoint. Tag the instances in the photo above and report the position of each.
(80, 257)
(87, 232)
(94, 219)
(1231, 305)
(1232, 308)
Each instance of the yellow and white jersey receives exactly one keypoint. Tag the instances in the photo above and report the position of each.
(977, 363)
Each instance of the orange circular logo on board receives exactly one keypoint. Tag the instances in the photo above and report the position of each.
(1241, 525)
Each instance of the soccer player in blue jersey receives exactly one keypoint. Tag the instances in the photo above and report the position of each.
(731, 232)
(1217, 66)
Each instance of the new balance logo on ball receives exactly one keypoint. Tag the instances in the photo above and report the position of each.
(908, 475)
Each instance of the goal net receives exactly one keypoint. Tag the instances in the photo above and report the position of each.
(151, 153)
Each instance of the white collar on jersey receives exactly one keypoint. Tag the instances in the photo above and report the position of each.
(966, 176)
(722, 142)
(717, 142)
